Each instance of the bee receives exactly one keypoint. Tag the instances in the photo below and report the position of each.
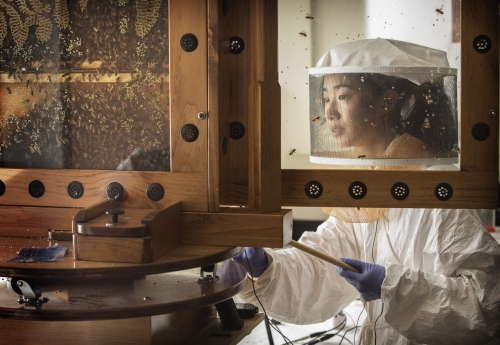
(26, 101)
(426, 124)
(292, 151)
(439, 10)
(308, 16)
(303, 33)
(27, 83)
(65, 74)
(21, 79)
(50, 79)
(362, 156)
(316, 118)
(9, 90)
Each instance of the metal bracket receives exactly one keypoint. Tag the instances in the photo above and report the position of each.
(30, 293)
(205, 278)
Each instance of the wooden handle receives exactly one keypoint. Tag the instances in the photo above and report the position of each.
(322, 256)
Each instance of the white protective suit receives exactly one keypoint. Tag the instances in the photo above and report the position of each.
(442, 282)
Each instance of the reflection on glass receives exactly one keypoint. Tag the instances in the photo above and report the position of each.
(383, 103)
(84, 84)
(310, 28)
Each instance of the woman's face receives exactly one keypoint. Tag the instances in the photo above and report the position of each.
(354, 113)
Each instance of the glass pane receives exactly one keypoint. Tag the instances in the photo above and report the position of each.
(375, 82)
(84, 84)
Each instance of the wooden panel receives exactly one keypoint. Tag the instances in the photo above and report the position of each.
(26, 231)
(471, 190)
(190, 189)
(238, 227)
(119, 332)
(173, 329)
(479, 85)
(264, 127)
(36, 217)
(188, 84)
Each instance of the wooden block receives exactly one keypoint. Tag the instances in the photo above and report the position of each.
(113, 249)
(238, 227)
(166, 228)
(164, 235)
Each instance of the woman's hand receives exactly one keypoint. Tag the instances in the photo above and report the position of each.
(254, 260)
(368, 282)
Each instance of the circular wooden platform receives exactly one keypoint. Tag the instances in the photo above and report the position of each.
(181, 258)
(102, 299)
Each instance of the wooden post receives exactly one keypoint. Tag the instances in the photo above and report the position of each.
(479, 86)
(264, 110)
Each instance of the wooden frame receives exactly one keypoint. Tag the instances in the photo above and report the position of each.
(247, 171)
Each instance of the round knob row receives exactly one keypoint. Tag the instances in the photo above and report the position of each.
(399, 190)
(75, 189)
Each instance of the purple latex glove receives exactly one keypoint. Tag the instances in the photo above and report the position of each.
(368, 282)
(257, 259)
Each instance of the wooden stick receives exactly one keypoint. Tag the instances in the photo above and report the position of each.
(322, 256)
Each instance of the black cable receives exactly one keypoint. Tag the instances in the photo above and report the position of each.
(345, 333)
(375, 324)
(324, 337)
(364, 304)
(316, 335)
(287, 341)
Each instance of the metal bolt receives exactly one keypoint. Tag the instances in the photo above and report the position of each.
(493, 113)
(202, 115)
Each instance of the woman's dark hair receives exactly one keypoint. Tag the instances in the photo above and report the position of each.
(432, 118)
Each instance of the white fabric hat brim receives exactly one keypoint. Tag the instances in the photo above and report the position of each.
(389, 57)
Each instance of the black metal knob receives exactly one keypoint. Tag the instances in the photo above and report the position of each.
(114, 214)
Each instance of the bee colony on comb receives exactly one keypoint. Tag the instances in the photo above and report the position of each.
(84, 84)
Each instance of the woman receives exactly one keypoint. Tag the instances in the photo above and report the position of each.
(428, 276)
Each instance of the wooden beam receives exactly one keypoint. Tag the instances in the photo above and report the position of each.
(471, 190)
(238, 227)
(264, 120)
(479, 86)
(188, 85)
